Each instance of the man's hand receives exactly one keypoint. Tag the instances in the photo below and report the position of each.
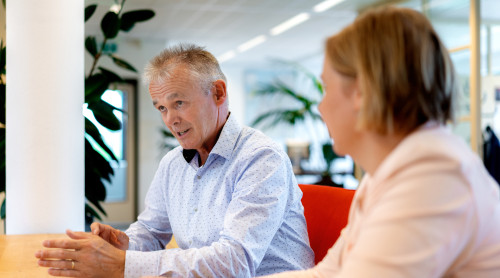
(116, 237)
(84, 255)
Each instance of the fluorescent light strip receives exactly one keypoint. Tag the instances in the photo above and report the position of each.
(226, 56)
(292, 22)
(325, 5)
(252, 43)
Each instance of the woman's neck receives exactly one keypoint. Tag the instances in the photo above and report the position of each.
(374, 148)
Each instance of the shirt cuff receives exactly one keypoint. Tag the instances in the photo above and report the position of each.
(138, 264)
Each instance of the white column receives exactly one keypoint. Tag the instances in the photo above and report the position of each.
(45, 126)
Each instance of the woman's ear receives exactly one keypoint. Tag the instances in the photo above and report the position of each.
(219, 92)
(357, 96)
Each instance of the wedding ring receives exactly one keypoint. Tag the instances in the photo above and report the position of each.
(72, 265)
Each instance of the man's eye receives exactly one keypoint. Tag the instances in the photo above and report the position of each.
(161, 108)
(179, 103)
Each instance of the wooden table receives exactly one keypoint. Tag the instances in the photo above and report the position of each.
(17, 255)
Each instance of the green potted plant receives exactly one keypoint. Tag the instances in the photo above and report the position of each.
(306, 108)
(98, 155)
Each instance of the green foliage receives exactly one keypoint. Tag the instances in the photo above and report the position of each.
(289, 116)
(91, 45)
(129, 19)
(110, 25)
(89, 11)
(98, 155)
(122, 63)
(306, 107)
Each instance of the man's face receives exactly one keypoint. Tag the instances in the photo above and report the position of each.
(188, 111)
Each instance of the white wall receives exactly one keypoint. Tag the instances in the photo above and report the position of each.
(236, 91)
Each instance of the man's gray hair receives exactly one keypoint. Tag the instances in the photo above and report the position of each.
(201, 64)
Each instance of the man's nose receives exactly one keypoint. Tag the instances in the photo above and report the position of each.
(171, 118)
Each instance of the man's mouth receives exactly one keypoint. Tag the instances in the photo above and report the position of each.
(182, 132)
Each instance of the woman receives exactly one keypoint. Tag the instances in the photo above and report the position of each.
(426, 206)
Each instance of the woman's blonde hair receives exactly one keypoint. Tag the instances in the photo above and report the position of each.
(404, 72)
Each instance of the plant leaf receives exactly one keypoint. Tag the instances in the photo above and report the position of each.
(89, 11)
(95, 86)
(121, 63)
(284, 89)
(91, 45)
(97, 163)
(2, 210)
(129, 19)
(110, 25)
(316, 82)
(110, 76)
(275, 117)
(89, 211)
(93, 132)
(103, 113)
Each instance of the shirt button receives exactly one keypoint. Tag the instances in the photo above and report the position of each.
(195, 210)
(199, 177)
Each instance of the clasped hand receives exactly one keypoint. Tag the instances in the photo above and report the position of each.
(100, 253)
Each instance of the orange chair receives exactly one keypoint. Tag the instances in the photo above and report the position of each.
(326, 210)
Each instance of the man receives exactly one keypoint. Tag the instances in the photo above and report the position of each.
(227, 193)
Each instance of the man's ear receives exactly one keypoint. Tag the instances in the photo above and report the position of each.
(219, 92)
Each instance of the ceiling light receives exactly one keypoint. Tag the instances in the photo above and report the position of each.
(226, 56)
(325, 5)
(252, 43)
(294, 21)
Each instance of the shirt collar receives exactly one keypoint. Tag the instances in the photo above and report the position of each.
(226, 142)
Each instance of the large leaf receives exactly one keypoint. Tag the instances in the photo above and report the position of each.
(110, 25)
(89, 11)
(129, 19)
(91, 45)
(95, 86)
(103, 113)
(121, 63)
(92, 130)
(111, 76)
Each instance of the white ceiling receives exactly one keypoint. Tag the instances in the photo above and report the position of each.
(223, 25)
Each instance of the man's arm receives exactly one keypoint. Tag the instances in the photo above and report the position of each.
(252, 219)
(152, 230)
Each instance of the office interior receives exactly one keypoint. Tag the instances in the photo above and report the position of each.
(252, 50)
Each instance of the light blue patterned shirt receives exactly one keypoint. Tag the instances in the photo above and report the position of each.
(239, 215)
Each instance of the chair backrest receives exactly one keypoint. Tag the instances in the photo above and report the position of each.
(326, 210)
